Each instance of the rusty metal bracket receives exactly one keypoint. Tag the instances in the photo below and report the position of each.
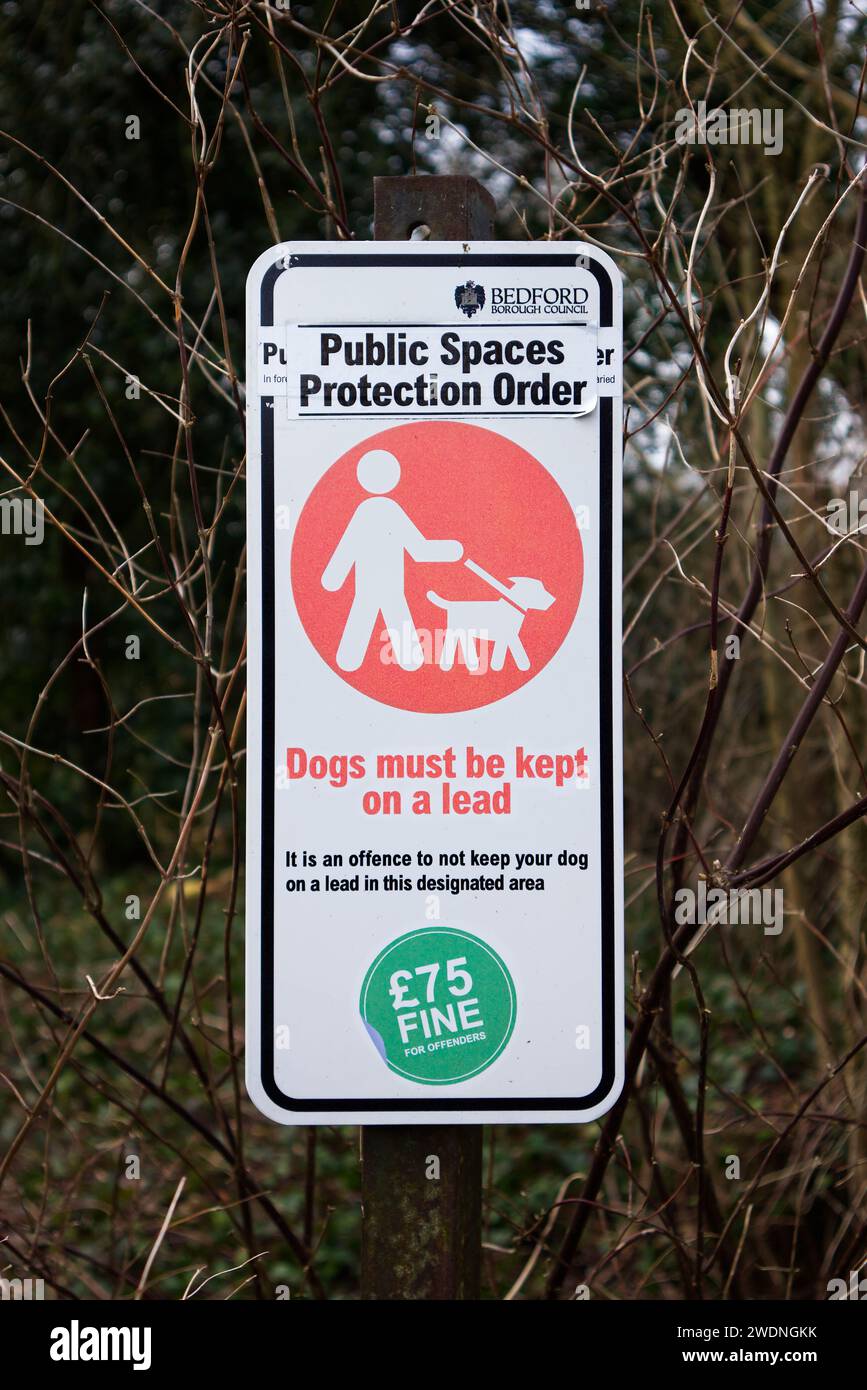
(452, 207)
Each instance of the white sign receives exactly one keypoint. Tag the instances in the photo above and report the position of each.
(434, 863)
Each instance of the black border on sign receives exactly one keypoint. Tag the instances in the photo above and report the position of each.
(393, 1105)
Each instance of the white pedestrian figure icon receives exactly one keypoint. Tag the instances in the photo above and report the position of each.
(377, 539)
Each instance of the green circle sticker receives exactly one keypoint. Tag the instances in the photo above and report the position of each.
(439, 1005)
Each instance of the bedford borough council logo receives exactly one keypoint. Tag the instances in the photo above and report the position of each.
(470, 298)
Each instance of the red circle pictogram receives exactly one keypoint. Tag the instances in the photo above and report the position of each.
(380, 571)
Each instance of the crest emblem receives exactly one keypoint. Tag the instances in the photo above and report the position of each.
(469, 298)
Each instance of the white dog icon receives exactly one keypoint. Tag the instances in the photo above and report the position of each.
(470, 621)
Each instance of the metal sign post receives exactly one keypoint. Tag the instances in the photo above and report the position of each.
(421, 1192)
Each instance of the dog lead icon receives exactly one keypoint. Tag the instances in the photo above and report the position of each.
(374, 544)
